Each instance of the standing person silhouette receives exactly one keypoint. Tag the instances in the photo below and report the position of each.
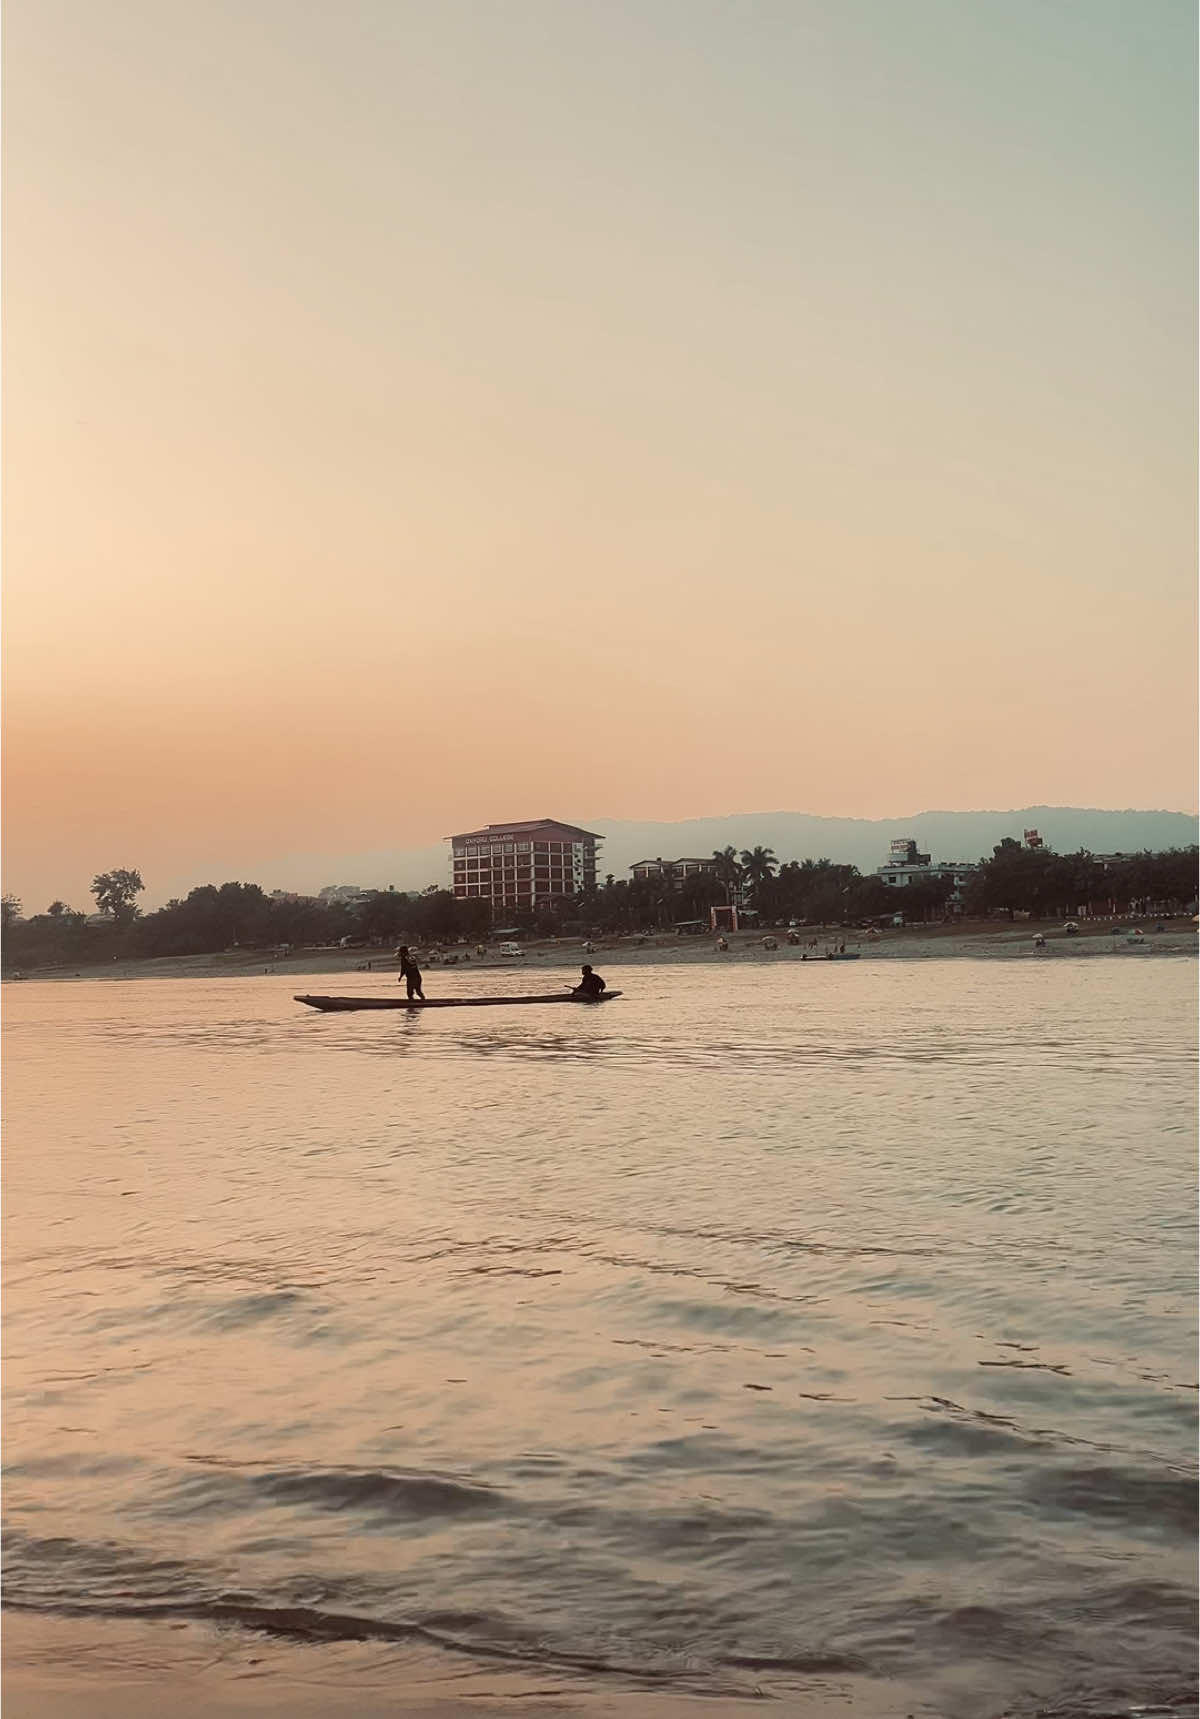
(410, 973)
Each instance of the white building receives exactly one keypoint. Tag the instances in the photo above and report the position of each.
(344, 895)
(908, 866)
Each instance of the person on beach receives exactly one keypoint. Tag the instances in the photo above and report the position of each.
(410, 973)
(591, 985)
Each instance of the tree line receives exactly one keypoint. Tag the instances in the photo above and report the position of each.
(1015, 879)
(1049, 885)
(216, 917)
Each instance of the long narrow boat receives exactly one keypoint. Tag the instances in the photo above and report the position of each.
(330, 1005)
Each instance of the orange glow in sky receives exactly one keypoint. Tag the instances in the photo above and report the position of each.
(419, 415)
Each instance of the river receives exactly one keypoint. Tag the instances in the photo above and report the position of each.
(823, 1333)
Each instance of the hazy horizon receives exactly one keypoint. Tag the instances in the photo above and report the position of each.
(966, 835)
(423, 416)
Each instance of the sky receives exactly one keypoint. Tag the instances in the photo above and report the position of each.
(425, 414)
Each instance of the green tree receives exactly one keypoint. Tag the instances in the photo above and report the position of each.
(697, 894)
(818, 890)
(1034, 880)
(1148, 882)
(56, 910)
(385, 916)
(1003, 883)
(115, 893)
(211, 919)
(11, 909)
(871, 898)
(758, 870)
(923, 898)
(727, 870)
(436, 915)
(758, 865)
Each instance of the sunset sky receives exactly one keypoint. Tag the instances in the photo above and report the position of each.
(425, 412)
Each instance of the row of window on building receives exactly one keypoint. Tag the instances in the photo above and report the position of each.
(672, 871)
(521, 864)
(489, 850)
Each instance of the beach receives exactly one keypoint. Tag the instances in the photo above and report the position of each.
(973, 940)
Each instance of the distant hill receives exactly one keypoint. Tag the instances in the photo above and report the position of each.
(793, 835)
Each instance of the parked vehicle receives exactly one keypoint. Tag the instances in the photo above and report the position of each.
(511, 949)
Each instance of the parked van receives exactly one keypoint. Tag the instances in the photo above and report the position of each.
(511, 949)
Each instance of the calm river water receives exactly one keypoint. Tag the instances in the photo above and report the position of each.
(780, 1330)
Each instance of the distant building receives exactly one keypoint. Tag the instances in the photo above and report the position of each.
(344, 895)
(525, 865)
(903, 851)
(673, 873)
(907, 866)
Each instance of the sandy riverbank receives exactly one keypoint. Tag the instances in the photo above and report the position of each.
(981, 939)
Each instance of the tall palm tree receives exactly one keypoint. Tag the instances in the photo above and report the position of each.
(758, 865)
(758, 869)
(727, 870)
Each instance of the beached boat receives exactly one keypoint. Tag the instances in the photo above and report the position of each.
(330, 1005)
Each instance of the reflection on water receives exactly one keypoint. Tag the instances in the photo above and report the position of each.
(761, 1327)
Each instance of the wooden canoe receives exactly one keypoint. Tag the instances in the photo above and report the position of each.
(329, 1005)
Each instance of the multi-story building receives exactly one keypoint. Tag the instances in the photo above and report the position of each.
(908, 866)
(671, 872)
(523, 865)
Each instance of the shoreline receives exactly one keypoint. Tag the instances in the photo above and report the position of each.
(59, 1666)
(976, 940)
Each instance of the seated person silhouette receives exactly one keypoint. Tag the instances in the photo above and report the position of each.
(591, 985)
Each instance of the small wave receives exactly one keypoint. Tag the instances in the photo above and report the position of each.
(960, 1416)
(397, 1495)
(803, 1662)
(1168, 1703)
(1166, 1502)
(451, 1632)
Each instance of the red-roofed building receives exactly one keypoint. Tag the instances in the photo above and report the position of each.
(523, 865)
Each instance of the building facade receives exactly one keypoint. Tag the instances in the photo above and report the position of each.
(673, 873)
(908, 866)
(525, 865)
